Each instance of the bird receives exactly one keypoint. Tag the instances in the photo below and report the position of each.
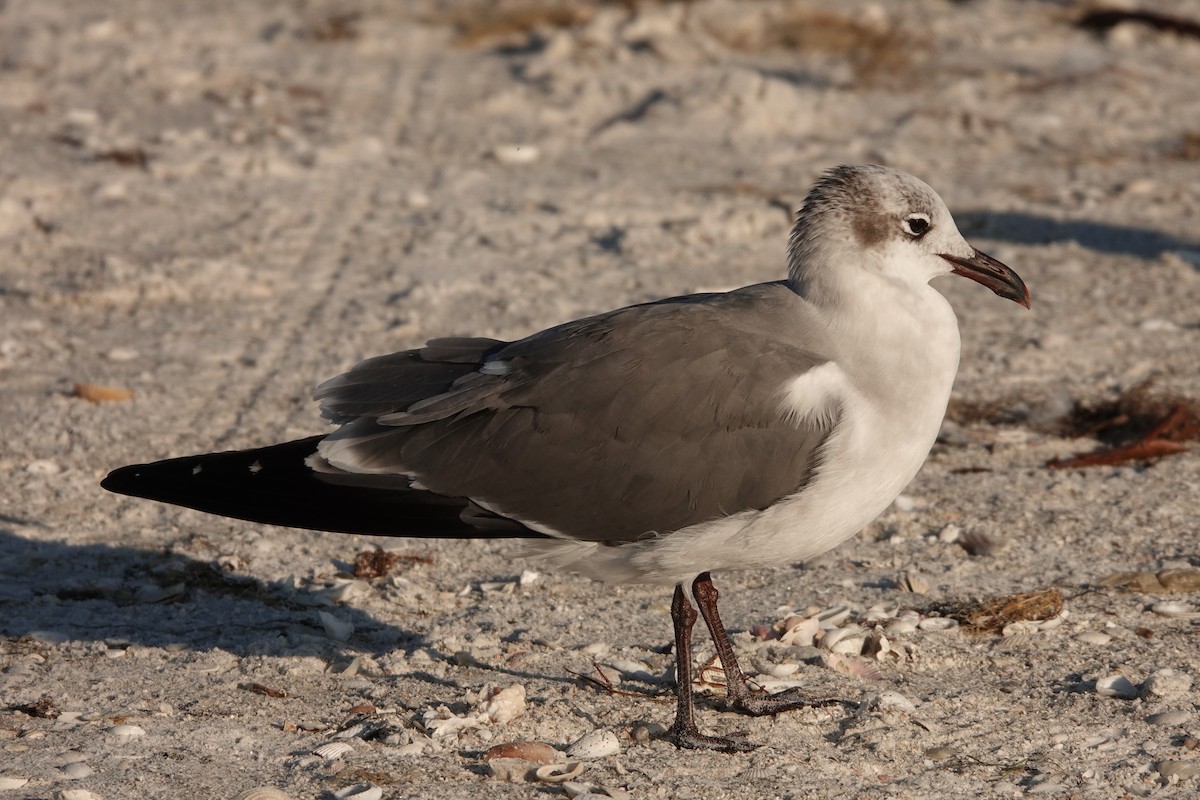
(655, 443)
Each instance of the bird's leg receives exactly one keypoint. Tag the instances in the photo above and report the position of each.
(738, 694)
(683, 731)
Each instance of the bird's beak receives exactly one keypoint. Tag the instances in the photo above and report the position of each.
(984, 269)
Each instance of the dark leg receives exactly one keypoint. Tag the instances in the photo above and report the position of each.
(684, 732)
(738, 694)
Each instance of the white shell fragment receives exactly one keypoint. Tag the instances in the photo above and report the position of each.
(332, 750)
(126, 730)
(507, 704)
(832, 618)
(262, 793)
(362, 791)
(335, 628)
(559, 773)
(1116, 685)
(12, 782)
(1176, 609)
(937, 624)
(596, 744)
(1094, 637)
(1175, 717)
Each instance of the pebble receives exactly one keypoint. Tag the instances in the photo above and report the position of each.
(526, 751)
(126, 730)
(516, 154)
(1094, 637)
(78, 794)
(510, 770)
(1116, 685)
(596, 744)
(122, 354)
(43, 466)
(77, 770)
(1174, 717)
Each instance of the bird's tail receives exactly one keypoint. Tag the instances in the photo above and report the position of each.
(275, 485)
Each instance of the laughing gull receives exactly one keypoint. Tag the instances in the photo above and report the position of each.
(658, 442)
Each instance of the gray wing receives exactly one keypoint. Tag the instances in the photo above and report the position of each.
(612, 428)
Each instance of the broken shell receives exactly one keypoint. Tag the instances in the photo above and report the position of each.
(913, 582)
(1174, 608)
(596, 744)
(126, 730)
(937, 624)
(800, 631)
(832, 618)
(507, 704)
(363, 791)
(337, 629)
(559, 773)
(526, 751)
(332, 750)
(1094, 637)
(11, 782)
(1116, 685)
(882, 611)
(262, 793)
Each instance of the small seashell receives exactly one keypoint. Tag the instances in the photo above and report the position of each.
(337, 629)
(1174, 608)
(507, 704)
(835, 637)
(596, 744)
(913, 582)
(801, 632)
(362, 791)
(1094, 637)
(528, 577)
(526, 751)
(77, 770)
(77, 794)
(876, 645)
(1174, 717)
(559, 773)
(937, 624)
(882, 611)
(94, 393)
(1116, 685)
(900, 627)
(126, 730)
(893, 699)
(516, 153)
(949, 534)
(854, 666)
(262, 793)
(332, 750)
(832, 618)
(12, 782)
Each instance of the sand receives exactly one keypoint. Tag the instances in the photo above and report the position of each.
(215, 206)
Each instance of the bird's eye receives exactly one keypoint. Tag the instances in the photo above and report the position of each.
(916, 225)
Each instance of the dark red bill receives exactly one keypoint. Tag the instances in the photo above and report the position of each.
(984, 269)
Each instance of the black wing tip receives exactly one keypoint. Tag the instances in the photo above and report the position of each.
(123, 480)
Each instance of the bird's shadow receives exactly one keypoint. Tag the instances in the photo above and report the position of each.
(1035, 229)
(56, 591)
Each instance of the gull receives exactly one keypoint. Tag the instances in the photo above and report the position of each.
(655, 443)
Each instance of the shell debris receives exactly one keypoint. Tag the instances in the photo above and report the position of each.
(262, 793)
(126, 730)
(559, 773)
(506, 704)
(596, 744)
(362, 791)
(332, 750)
(77, 794)
(12, 782)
